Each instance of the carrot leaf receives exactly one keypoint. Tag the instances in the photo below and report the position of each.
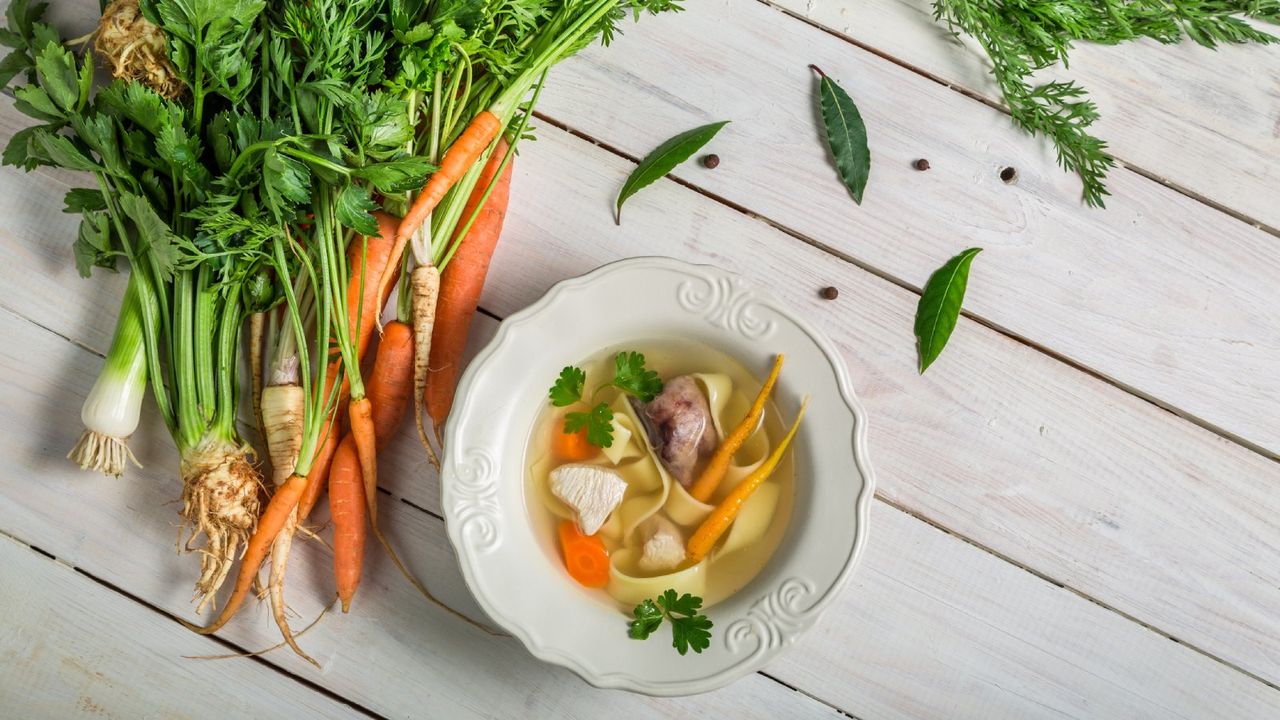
(939, 306)
(846, 135)
(663, 160)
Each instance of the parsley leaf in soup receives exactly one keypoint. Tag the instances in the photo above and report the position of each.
(567, 389)
(630, 376)
(598, 422)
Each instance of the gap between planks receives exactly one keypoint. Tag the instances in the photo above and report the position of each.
(233, 647)
(1001, 107)
(915, 289)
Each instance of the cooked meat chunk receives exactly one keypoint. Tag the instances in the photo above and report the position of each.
(591, 490)
(664, 548)
(678, 423)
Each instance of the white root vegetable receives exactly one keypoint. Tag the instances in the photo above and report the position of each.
(426, 291)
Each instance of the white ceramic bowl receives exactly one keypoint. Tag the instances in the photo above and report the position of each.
(514, 573)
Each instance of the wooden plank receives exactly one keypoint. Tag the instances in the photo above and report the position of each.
(73, 648)
(1158, 292)
(931, 626)
(1185, 113)
(1110, 487)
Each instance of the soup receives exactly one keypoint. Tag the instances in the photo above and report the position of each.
(632, 492)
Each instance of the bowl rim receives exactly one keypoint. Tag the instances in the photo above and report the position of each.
(628, 681)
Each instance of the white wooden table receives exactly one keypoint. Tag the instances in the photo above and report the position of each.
(1079, 505)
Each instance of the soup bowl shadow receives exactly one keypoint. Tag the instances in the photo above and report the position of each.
(504, 558)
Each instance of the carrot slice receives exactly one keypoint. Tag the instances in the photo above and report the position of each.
(585, 556)
(572, 446)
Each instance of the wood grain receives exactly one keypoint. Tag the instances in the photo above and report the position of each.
(1158, 292)
(930, 627)
(73, 648)
(1184, 113)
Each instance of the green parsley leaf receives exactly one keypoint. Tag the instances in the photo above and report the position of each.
(92, 247)
(598, 422)
(154, 234)
(567, 389)
(79, 200)
(353, 208)
(631, 377)
(689, 628)
(56, 69)
(647, 619)
(62, 152)
(396, 176)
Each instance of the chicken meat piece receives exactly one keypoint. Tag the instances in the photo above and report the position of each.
(591, 490)
(678, 423)
(664, 548)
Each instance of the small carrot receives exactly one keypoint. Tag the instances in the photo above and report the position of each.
(390, 385)
(713, 475)
(572, 446)
(457, 160)
(318, 477)
(585, 556)
(705, 537)
(462, 283)
(273, 519)
(347, 508)
(368, 261)
(360, 414)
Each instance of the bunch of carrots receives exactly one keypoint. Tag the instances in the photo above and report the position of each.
(292, 172)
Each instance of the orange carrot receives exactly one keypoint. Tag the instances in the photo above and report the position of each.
(317, 478)
(390, 385)
(705, 537)
(585, 556)
(572, 446)
(362, 317)
(710, 479)
(364, 309)
(347, 508)
(457, 160)
(272, 520)
(360, 413)
(461, 284)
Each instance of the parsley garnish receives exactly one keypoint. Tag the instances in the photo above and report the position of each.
(630, 376)
(689, 628)
(598, 422)
(568, 387)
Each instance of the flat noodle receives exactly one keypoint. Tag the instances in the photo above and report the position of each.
(631, 589)
(647, 493)
(753, 519)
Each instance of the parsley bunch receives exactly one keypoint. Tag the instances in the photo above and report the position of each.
(1024, 36)
(689, 628)
(630, 376)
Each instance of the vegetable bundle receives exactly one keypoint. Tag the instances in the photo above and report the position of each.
(287, 168)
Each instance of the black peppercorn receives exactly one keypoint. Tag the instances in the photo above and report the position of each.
(921, 164)
(1009, 175)
(710, 161)
(829, 293)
